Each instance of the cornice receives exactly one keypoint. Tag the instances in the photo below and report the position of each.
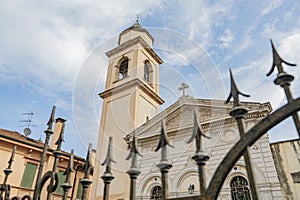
(204, 125)
(137, 40)
(15, 138)
(133, 83)
(219, 104)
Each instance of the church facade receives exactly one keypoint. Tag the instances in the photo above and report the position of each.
(223, 134)
(131, 105)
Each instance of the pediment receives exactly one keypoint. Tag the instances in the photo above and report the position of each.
(180, 115)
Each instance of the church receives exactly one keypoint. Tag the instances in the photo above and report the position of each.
(131, 106)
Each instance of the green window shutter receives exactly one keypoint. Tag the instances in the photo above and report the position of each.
(61, 180)
(79, 191)
(28, 176)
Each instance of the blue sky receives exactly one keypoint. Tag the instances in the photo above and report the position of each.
(51, 53)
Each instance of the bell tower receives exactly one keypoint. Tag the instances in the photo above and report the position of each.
(131, 97)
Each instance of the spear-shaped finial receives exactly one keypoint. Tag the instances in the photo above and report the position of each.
(198, 157)
(12, 157)
(8, 170)
(66, 185)
(133, 153)
(234, 92)
(164, 165)
(197, 133)
(88, 161)
(70, 166)
(51, 120)
(85, 182)
(108, 160)
(163, 142)
(61, 137)
(4, 188)
(277, 61)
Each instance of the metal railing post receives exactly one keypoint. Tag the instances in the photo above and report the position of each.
(57, 154)
(48, 132)
(133, 172)
(284, 80)
(239, 112)
(5, 189)
(66, 185)
(107, 176)
(199, 158)
(164, 165)
(85, 182)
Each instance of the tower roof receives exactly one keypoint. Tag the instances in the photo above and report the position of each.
(136, 27)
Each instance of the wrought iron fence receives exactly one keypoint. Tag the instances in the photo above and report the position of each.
(50, 177)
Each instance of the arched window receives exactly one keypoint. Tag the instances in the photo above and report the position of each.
(147, 71)
(156, 193)
(239, 189)
(123, 70)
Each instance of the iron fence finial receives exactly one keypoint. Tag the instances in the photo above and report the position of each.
(51, 119)
(277, 60)
(4, 187)
(234, 91)
(61, 137)
(197, 133)
(66, 185)
(85, 182)
(12, 157)
(163, 140)
(199, 158)
(70, 167)
(107, 176)
(109, 159)
(88, 161)
(163, 165)
(133, 172)
(133, 149)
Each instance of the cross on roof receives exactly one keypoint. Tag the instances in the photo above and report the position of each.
(183, 87)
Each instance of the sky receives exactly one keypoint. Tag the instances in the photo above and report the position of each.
(52, 53)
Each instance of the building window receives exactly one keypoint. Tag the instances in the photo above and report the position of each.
(239, 189)
(61, 180)
(79, 191)
(123, 69)
(28, 175)
(147, 71)
(156, 193)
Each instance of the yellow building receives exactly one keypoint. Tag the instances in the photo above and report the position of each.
(26, 163)
(286, 156)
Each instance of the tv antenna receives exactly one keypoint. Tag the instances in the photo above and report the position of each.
(28, 123)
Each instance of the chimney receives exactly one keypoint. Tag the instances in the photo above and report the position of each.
(57, 129)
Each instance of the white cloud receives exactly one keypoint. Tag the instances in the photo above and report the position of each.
(226, 38)
(198, 18)
(52, 37)
(289, 47)
(271, 6)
